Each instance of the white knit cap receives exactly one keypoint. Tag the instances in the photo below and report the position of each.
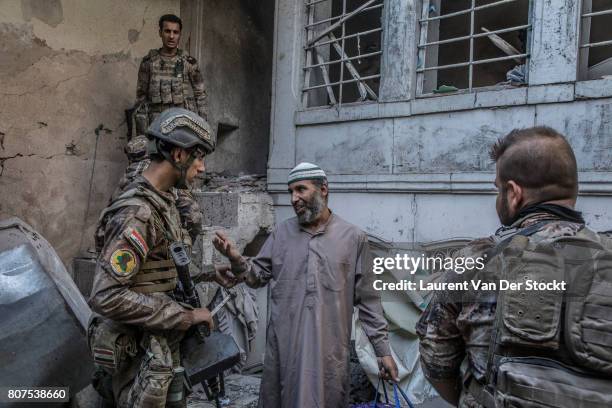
(306, 171)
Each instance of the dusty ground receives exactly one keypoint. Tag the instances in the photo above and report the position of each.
(241, 390)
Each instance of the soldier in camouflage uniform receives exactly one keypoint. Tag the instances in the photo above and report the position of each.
(537, 189)
(167, 78)
(138, 161)
(135, 340)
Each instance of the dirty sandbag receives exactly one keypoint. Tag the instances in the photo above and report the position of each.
(42, 314)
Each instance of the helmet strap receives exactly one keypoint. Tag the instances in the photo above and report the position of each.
(182, 182)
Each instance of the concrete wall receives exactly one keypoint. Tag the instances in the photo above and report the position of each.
(67, 72)
(407, 168)
(232, 40)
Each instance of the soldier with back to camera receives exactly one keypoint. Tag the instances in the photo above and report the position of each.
(548, 347)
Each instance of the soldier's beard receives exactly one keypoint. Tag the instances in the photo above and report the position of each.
(312, 210)
(504, 211)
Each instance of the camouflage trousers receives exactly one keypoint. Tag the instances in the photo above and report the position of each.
(136, 368)
(158, 380)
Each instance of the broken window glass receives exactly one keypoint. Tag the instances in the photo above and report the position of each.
(595, 60)
(343, 51)
(467, 44)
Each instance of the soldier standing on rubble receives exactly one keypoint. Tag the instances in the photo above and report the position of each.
(135, 341)
(167, 78)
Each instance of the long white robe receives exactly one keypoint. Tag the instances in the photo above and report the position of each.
(316, 280)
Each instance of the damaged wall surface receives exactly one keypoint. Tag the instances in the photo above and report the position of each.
(232, 40)
(68, 70)
(411, 167)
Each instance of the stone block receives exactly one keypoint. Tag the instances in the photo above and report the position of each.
(219, 209)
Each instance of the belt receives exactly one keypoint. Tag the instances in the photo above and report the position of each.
(480, 393)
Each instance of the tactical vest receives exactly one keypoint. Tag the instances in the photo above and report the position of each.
(169, 82)
(158, 274)
(551, 348)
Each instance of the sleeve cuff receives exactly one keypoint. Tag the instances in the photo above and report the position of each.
(436, 373)
(382, 348)
(186, 320)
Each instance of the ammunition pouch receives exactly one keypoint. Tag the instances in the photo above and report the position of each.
(155, 276)
(531, 382)
(112, 345)
(541, 382)
(176, 397)
(552, 348)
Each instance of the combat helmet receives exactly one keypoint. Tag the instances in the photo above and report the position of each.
(178, 127)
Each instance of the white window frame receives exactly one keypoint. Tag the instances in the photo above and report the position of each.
(314, 60)
(428, 31)
(585, 33)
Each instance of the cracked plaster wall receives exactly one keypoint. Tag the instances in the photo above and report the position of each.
(67, 73)
(232, 41)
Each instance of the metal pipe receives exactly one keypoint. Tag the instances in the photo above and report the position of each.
(361, 33)
(467, 37)
(465, 64)
(314, 2)
(597, 44)
(348, 81)
(597, 13)
(343, 18)
(371, 54)
(466, 11)
(327, 20)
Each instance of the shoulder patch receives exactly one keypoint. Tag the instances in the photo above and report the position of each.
(191, 60)
(138, 242)
(123, 262)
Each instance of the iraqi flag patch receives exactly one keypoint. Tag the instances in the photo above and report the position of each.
(104, 357)
(137, 241)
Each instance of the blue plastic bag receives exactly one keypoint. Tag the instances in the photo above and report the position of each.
(397, 391)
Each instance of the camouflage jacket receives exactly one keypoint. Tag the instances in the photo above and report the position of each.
(451, 330)
(166, 82)
(134, 275)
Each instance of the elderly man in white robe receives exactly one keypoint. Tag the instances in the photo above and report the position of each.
(319, 268)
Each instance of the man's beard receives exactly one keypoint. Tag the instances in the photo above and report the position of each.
(312, 209)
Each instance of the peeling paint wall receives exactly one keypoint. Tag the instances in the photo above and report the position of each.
(68, 70)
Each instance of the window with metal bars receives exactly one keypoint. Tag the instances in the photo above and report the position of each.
(467, 44)
(595, 60)
(343, 51)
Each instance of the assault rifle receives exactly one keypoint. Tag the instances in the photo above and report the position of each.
(205, 355)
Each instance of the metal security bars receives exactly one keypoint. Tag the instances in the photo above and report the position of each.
(343, 51)
(595, 60)
(465, 44)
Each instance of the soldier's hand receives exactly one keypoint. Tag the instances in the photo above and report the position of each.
(224, 245)
(202, 315)
(224, 276)
(388, 369)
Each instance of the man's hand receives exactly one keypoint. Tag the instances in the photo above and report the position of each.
(224, 276)
(388, 369)
(202, 315)
(227, 248)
